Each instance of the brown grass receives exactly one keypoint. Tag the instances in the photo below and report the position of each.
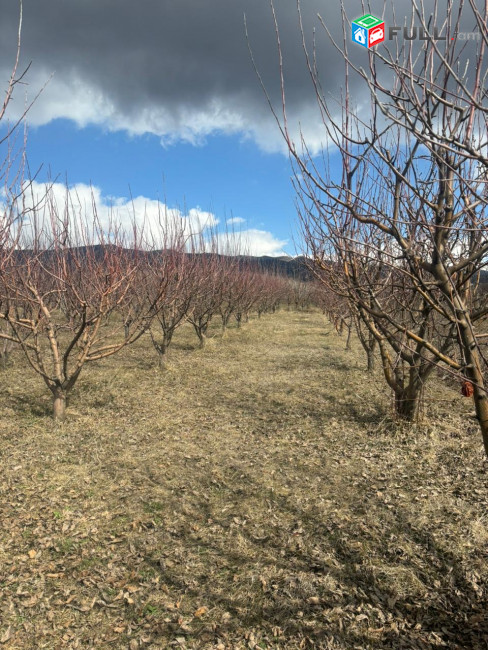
(257, 495)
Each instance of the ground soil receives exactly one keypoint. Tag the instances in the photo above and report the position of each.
(257, 494)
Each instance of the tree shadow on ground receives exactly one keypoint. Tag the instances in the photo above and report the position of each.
(323, 581)
(27, 405)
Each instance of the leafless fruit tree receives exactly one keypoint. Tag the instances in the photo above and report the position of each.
(271, 290)
(12, 168)
(412, 192)
(167, 282)
(63, 289)
(205, 286)
(229, 288)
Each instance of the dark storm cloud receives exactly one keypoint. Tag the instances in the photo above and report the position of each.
(177, 68)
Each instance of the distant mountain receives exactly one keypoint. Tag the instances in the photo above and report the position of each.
(294, 267)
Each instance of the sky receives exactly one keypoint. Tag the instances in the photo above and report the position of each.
(158, 100)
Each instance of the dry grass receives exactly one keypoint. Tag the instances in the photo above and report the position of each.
(255, 496)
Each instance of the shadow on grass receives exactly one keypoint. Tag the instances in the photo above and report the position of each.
(28, 405)
(375, 414)
(321, 581)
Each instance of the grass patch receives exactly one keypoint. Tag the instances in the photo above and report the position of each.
(256, 495)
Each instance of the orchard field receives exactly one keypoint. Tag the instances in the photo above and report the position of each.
(256, 494)
(210, 440)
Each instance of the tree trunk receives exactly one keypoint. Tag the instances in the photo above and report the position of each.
(481, 408)
(225, 321)
(408, 397)
(59, 406)
(371, 359)
(348, 341)
(407, 403)
(475, 376)
(162, 358)
(163, 350)
(368, 341)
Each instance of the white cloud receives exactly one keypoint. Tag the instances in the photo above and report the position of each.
(173, 71)
(155, 222)
(235, 220)
(251, 242)
(85, 103)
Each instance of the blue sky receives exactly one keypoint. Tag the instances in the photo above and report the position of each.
(160, 100)
(226, 174)
(161, 97)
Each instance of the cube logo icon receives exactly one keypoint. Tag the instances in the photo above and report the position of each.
(368, 30)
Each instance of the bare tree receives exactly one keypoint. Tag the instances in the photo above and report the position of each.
(413, 183)
(236, 271)
(247, 292)
(229, 289)
(168, 285)
(62, 290)
(271, 290)
(11, 176)
(384, 304)
(205, 286)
